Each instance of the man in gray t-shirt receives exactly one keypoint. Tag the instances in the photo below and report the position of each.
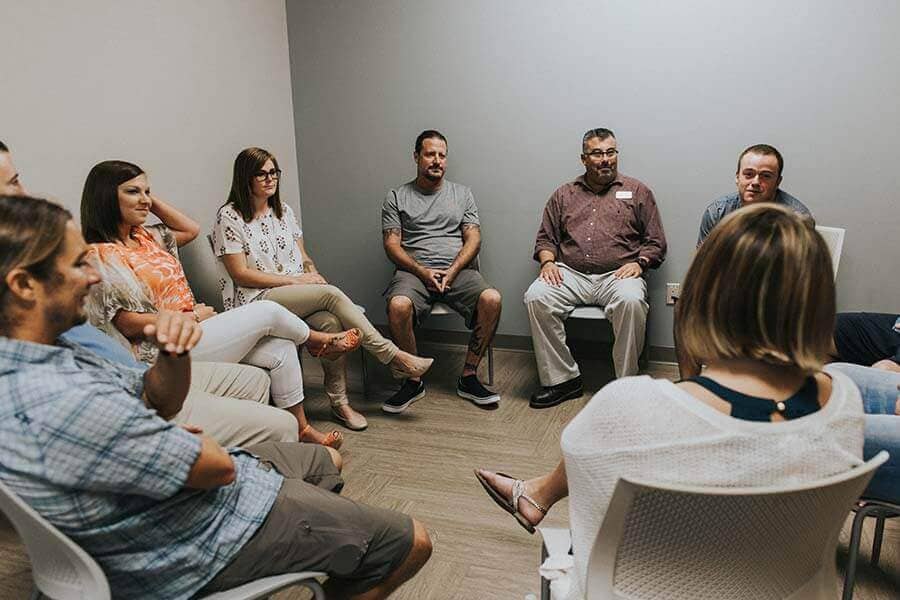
(432, 234)
(758, 176)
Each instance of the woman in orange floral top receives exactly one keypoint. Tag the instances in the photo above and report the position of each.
(142, 275)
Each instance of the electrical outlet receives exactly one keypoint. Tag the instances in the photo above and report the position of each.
(673, 290)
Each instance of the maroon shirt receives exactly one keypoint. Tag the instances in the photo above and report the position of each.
(599, 232)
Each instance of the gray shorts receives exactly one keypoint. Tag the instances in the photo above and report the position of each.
(310, 528)
(462, 296)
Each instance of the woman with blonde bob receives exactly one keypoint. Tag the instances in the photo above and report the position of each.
(757, 309)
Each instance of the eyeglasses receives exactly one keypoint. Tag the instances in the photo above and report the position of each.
(597, 153)
(263, 175)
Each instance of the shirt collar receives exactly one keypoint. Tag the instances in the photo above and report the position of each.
(580, 182)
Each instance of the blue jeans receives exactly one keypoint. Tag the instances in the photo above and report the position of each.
(880, 394)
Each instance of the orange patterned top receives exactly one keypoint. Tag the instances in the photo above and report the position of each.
(155, 267)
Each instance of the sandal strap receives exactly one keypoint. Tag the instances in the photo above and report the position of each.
(519, 492)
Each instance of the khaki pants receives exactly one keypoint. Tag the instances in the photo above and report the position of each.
(549, 306)
(327, 308)
(230, 403)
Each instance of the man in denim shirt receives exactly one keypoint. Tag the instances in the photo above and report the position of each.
(758, 177)
(165, 510)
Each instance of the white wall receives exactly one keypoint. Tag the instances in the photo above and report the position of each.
(685, 85)
(176, 87)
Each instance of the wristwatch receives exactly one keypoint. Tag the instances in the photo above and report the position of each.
(644, 262)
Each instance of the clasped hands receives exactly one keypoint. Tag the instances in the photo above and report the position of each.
(437, 280)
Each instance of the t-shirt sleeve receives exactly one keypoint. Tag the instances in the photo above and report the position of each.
(228, 232)
(121, 446)
(470, 212)
(293, 224)
(390, 213)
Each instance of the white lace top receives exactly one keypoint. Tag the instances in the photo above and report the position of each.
(652, 430)
(269, 245)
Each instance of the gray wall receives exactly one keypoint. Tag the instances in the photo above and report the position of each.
(685, 85)
(177, 87)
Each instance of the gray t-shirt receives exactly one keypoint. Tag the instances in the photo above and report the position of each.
(430, 224)
(717, 210)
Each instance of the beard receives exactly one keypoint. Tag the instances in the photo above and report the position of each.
(432, 177)
(62, 319)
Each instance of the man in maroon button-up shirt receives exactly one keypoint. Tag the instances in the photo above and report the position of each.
(598, 236)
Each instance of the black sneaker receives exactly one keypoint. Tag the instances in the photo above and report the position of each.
(408, 393)
(470, 388)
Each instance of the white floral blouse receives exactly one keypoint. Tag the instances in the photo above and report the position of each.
(268, 244)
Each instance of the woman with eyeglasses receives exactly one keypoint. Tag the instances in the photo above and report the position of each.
(261, 245)
(757, 308)
(142, 275)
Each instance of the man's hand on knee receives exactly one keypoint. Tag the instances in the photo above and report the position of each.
(550, 274)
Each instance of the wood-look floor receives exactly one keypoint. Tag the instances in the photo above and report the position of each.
(421, 463)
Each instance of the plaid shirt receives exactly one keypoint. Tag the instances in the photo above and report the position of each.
(78, 444)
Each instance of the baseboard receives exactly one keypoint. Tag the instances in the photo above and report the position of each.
(586, 347)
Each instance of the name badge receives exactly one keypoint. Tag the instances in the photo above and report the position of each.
(623, 195)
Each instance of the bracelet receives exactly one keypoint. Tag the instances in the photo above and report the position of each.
(549, 260)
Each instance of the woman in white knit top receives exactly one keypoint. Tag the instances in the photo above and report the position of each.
(757, 308)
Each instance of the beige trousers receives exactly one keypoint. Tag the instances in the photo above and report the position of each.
(327, 308)
(230, 403)
(549, 306)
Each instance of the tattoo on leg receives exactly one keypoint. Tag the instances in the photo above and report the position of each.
(481, 338)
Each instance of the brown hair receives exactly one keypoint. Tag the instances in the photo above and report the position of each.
(100, 212)
(764, 150)
(247, 163)
(32, 235)
(760, 287)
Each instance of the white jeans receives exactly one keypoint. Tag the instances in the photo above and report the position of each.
(263, 334)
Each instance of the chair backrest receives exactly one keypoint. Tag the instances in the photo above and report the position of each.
(834, 237)
(59, 567)
(666, 541)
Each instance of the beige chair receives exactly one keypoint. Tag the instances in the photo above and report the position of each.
(672, 542)
(834, 237)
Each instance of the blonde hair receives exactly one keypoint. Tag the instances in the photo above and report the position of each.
(760, 287)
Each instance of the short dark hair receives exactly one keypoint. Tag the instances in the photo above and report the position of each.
(3, 147)
(598, 132)
(246, 164)
(100, 213)
(765, 150)
(32, 235)
(429, 134)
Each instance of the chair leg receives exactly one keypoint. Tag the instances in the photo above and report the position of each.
(853, 550)
(316, 587)
(545, 583)
(365, 373)
(490, 365)
(876, 542)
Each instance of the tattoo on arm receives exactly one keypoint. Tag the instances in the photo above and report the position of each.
(469, 226)
(390, 233)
